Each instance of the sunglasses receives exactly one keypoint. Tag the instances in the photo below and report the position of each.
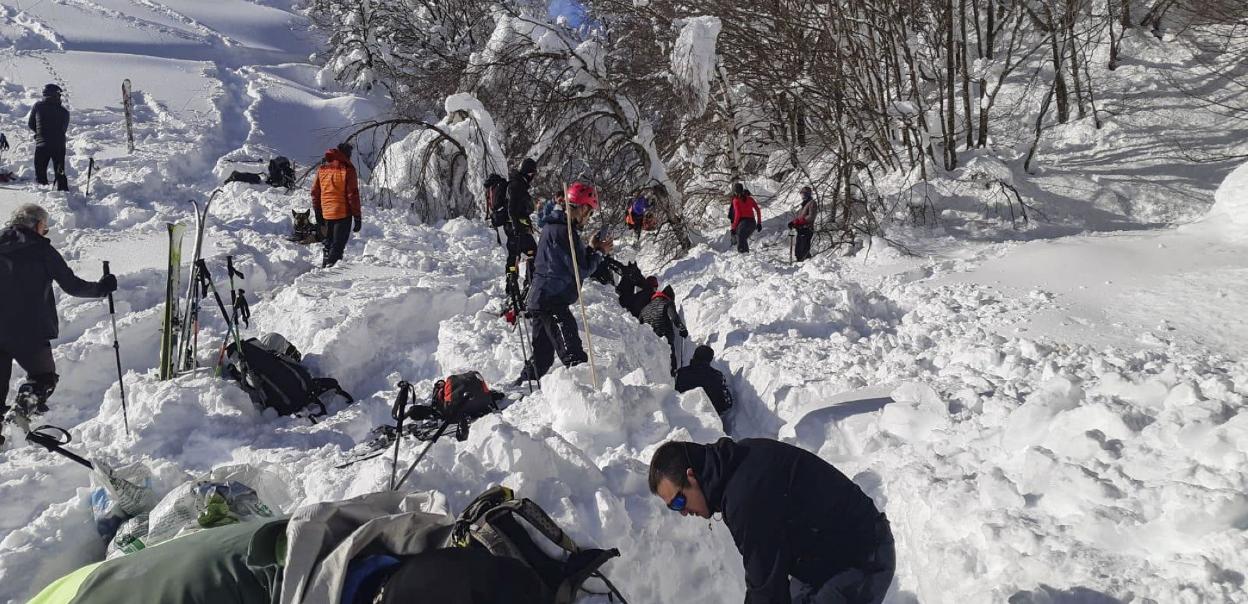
(677, 504)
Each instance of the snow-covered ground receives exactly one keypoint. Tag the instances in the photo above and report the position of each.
(1060, 419)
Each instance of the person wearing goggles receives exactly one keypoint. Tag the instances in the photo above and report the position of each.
(807, 534)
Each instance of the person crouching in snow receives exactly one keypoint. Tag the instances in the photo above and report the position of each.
(806, 532)
(699, 374)
(660, 314)
(746, 217)
(336, 202)
(554, 288)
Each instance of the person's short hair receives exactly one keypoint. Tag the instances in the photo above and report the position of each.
(671, 461)
(28, 215)
(703, 355)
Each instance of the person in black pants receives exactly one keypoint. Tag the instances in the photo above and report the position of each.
(804, 224)
(49, 120)
(805, 531)
(28, 318)
(699, 374)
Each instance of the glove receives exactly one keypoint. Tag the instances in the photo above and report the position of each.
(760, 228)
(108, 284)
(359, 222)
(684, 333)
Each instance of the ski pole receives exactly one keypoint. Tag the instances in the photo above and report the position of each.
(121, 382)
(56, 444)
(580, 299)
(90, 169)
(398, 412)
(441, 431)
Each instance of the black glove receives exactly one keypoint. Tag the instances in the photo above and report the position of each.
(108, 284)
(684, 333)
(358, 223)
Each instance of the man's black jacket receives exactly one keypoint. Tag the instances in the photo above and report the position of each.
(28, 266)
(49, 120)
(791, 514)
(709, 379)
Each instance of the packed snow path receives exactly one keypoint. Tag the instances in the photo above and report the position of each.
(1019, 459)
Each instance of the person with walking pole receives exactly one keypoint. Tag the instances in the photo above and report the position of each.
(561, 260)
(28, 317)
(121, 382)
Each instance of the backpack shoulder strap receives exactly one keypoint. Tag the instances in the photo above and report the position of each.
(537, 517)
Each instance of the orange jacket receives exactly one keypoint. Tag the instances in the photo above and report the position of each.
(335, 191)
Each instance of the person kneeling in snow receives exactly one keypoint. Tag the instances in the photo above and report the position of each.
(336, 202)
(699, 374)
(555, 288)
(28, 318)
(660, 314)
(805, 531)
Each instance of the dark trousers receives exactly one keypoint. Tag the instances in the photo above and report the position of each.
(339, 233)
(801, 247)
(36, 359)
(56, 155)
(554, 333)
(866, 585)
(745, 228)
(520, 244)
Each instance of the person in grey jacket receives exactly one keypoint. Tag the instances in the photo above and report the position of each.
(49, 120)
(554, 288)
(28, 318)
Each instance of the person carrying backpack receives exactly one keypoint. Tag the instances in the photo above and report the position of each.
(805, 531)
(519, 226)
(28, 317)
(49, 120)
(637, 212)
(804, 224)
(336, 202)
(660, 314)
(554, 288)
(746, 217)
(699, 374)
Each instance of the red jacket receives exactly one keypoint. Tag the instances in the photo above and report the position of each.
(335, 191)
(745, 207)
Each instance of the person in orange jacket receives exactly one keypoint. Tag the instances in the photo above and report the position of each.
(336, 202)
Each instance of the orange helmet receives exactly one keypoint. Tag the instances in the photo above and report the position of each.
(582, 194)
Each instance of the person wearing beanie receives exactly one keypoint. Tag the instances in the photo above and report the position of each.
(699, 374)
(519, 225)
(49, 121)
(555, 288)
(805, 531)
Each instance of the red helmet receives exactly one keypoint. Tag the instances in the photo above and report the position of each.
(582, 194)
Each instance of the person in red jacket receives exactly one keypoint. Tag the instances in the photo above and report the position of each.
(746, 217)
(804, 224)
(336, 201)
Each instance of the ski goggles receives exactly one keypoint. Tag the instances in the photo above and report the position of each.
(677, 504)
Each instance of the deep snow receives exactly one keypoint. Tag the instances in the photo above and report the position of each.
(1055, 420)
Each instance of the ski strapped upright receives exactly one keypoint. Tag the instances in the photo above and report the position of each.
(171, 326)
(188, 332)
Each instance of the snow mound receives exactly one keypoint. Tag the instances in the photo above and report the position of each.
(1230, 205)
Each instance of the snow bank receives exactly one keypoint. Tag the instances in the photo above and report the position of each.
(1229, 213)
(694, 59)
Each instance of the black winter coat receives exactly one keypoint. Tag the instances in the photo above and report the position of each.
(49, 120)
(660, 314)
(710, 380)
(791, 514)
(28, 266)
(519, 201)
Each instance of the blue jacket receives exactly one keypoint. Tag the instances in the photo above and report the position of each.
(640, 206)
(554, 283)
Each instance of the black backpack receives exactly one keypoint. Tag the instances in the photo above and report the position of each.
(277, 380)
(495, 520)
(281, 173)
(496, 201)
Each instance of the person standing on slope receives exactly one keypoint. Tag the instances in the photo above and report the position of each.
(660, 314)
(746, 217)
(699, 374)
(336, 202)
(555, 288)
(28, 318)
(519, 227)
(804, 224)
(49, 120)
(806, 532)
(637, 212)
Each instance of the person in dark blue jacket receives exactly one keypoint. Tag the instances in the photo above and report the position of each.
(805, 531)
(49, 120)
(554, 288)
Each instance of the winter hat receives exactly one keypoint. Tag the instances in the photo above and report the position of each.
(581, 194)
(528, 166)
(52, 90)
(652, 282)
(703, 355)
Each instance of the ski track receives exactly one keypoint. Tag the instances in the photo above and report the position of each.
(1046, 470)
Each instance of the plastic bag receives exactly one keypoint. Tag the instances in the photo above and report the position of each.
(119, 495)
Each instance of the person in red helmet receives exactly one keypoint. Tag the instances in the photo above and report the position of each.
(555, 288)
(336, 202)
(746, 217)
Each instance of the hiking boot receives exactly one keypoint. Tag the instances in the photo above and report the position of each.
(28, 403)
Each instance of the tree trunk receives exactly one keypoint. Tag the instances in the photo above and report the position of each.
(951, 154)
(1035, 142)
(966, 79)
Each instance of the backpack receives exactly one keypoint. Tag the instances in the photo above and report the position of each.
(276, 379)
(281, 173)
(496, 201)
(459, 399)
(493, 522)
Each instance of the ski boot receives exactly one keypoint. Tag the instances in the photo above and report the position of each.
(31, 402)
